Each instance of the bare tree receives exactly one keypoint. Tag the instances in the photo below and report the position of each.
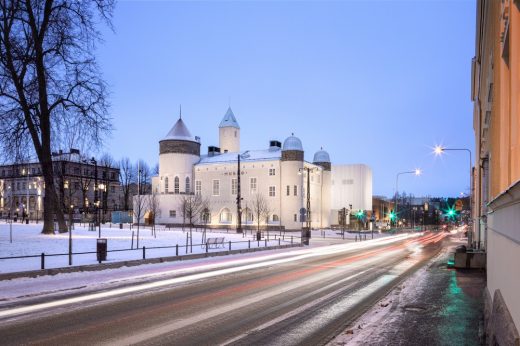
(139, 203)
(205, 216)
(153, 205)
(106, 164)
(191, 207)
(50, 82)
(127, 176)
(261, 210)
(143, 174)
(155, 169)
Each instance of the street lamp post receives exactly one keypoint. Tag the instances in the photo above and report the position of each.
(308, 218)
(438, 151)
(239, 199)
(70, 234)
(416, 172)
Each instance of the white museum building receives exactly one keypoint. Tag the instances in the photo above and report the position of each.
(279, 173)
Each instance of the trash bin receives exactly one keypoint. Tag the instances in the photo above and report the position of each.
(101, 249)
(461, 248)
(120, 226)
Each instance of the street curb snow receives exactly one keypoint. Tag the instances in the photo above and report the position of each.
(131, 263)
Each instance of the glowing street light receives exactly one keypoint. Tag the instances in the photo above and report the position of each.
(439, 150)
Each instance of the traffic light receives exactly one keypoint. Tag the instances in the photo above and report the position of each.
(450, 213)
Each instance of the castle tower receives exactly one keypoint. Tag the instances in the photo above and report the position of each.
(292, 180)
(322, 158)
(178, 152)
(229, 133)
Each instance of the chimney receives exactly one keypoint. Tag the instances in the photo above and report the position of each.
(274, 145)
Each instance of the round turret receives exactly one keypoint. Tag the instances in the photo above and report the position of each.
(292, 149)
(322, 159)
(179, 141)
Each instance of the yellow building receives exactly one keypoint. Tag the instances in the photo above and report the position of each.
(496, 121)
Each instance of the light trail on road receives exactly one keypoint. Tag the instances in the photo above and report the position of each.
(243, 303)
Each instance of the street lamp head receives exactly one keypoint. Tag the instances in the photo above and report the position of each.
(438, 150)
(418, 171)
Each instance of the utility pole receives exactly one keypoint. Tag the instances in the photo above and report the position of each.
(239, 200)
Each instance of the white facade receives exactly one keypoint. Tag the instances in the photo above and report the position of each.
(278, 173)
(351, 184)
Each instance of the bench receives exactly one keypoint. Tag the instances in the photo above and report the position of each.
(215, 242)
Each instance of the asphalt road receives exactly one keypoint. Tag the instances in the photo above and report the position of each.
(304, 298)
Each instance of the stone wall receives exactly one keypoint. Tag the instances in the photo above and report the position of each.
(179, 147)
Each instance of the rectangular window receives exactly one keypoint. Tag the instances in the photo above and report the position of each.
(112, 189)
(295, 190)
(288, 190)
(173, 213)
(295, 217)
(198, 187)
(253, 185)
(272, 171)
(216, 187)
(234, 186)
(272, 191)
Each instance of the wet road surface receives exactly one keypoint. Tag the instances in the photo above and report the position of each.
(305, 298)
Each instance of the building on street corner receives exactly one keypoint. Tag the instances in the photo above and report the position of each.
(496, 122)
(277, 174)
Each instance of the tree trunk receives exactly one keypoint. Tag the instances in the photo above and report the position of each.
(50, 202)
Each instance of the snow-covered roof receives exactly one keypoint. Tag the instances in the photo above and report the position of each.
(229, 120)
(246, 156)
(321, 156)
(292, 143)
(179, 131)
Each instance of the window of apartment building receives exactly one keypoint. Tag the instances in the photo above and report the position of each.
(276, 218)
(272, 171)
(295, 190)
(166, 185)
(176, 184)
(252, 185)
(112, 189)
(188, 185)
(272, 191)
(33, 170)
(198, 187)
(17, 185)
(173, 213)
(76, 170)
(216, 187)
(234, 186)
(112, 175)
(77, 186)
(288, 190)
(295, 217)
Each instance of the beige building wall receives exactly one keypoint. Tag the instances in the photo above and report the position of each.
(229, 139)
(496, 121)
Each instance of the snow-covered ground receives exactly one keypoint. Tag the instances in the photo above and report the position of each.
(27, 241)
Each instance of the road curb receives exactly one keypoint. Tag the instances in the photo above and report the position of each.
(132, 263)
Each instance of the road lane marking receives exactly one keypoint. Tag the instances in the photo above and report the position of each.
(193, 277)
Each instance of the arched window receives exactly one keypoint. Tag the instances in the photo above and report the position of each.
(188, 185)
(176, 185)
(166, 185)
(225, 216)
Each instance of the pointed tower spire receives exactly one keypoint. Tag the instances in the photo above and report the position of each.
(229, 120)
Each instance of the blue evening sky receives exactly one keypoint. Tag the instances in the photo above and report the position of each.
(374, 82)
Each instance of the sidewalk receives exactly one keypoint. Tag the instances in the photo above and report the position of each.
(435, 306)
